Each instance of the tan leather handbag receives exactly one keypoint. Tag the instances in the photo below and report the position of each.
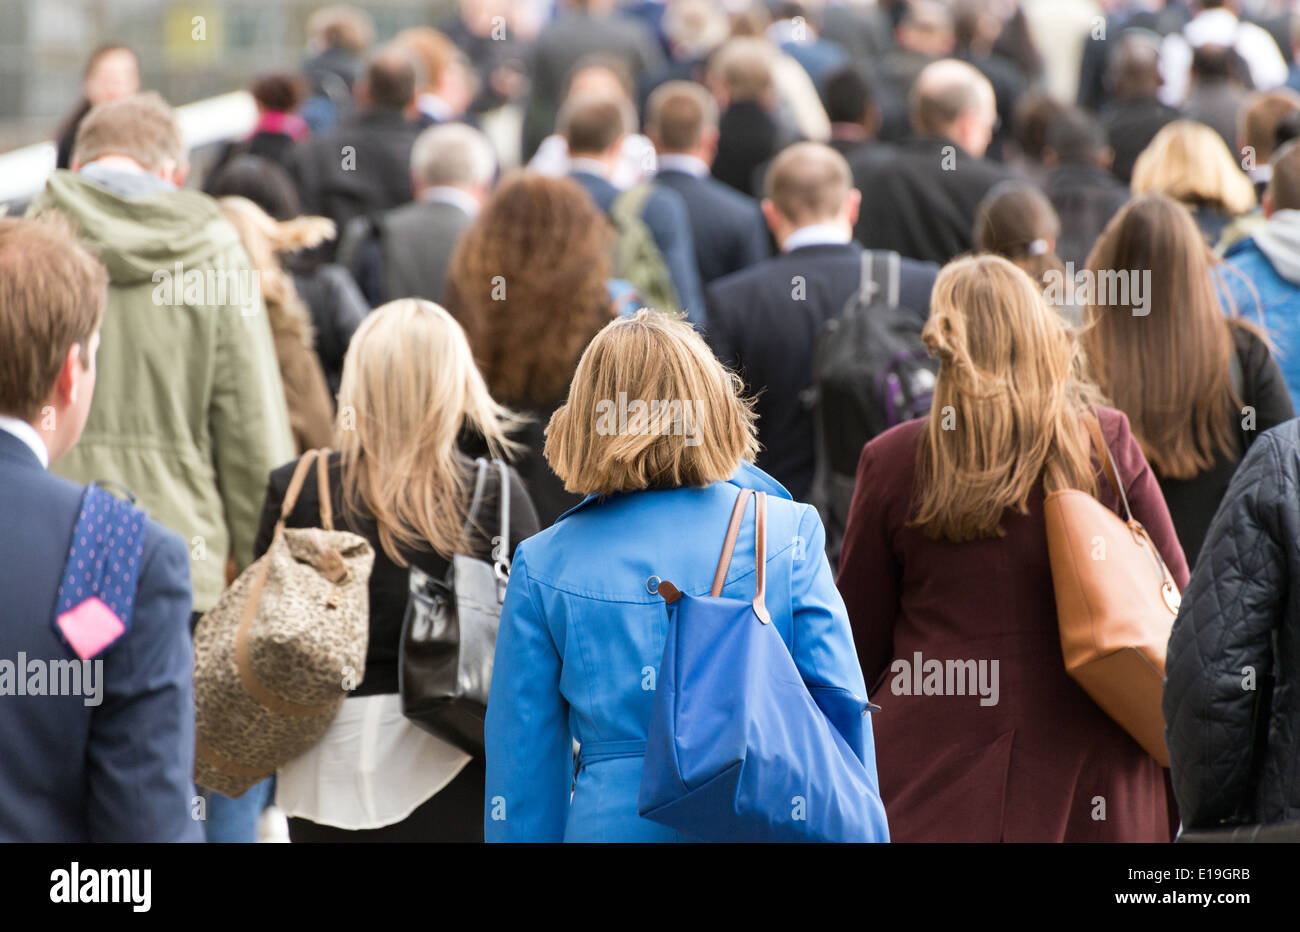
(1115, 605)
(277, 654)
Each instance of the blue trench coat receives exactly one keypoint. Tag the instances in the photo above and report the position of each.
(582, 634)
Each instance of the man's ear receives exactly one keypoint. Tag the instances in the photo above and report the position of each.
(68, 384)
(771, 215)
(852, 205)
(1105, 158)
(1267, 204)
(179, 173)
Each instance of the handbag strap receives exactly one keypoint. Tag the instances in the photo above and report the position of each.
(501, 543)
(323, 489)
(1107, 462)
(295, 487)
(501, 546)
(760, 550)
(471, 516)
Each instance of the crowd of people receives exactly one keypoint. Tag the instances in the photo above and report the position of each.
(687, 206)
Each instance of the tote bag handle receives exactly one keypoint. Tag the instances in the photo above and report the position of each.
(760, 551)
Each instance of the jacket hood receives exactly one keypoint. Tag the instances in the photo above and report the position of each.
(1279, 241)
(137, 236)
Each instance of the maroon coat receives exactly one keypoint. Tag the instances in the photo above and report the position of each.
(1031, 766)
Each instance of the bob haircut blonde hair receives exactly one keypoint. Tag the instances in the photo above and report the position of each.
(409, 387)
(649, 407)
(1009, 402)
(1190, 162)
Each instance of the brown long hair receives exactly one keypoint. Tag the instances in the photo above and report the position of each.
(1165, 365)
(1018, 222)
(1008, 402)
(529, 283)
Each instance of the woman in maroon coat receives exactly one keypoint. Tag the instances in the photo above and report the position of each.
(945, 560)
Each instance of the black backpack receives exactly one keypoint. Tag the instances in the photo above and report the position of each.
(870, 372)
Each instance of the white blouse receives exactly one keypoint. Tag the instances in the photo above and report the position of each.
(372, 768)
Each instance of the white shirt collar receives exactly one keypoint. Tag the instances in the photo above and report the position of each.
(588, 166)
(686, 164)
(434, 107)
(28, 435)
(445, 194)
(816, 234)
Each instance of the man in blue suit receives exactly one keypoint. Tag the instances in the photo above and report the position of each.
(727, 226)
(765, 321)
(594, 126)
(96, 669)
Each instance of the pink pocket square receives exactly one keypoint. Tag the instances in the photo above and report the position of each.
(90, 627)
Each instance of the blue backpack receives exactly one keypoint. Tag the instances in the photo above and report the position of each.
(738, 747)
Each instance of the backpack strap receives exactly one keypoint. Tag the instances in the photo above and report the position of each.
(881, 271)
(866, 279)
(629, 204)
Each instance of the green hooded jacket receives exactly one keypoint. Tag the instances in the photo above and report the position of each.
(189, 411)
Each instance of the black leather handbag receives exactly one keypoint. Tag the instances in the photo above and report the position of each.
(449, 632)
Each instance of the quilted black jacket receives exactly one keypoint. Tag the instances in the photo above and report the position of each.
(1239, 625)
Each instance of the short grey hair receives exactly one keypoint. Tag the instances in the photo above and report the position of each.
(453, 154)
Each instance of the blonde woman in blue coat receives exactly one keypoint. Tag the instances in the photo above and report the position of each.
(656, 436)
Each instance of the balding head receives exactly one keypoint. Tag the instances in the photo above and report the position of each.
(1134, 70)
(953, 100)
(809, 183)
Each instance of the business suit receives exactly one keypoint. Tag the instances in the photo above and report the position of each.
(360, 166)
(669, 223)
(920, 199)
(121, 770)
(765, 322)
(404, 252)
(727, 226)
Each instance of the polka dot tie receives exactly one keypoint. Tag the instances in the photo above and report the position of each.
(104, 559)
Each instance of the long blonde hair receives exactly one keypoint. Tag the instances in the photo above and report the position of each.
(1190, 162)
(1008, 402)
(409, 388)
(265, 239)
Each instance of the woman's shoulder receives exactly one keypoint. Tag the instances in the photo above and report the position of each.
(1114, 422)
(1250, 343)
(1116, 430)
(895, 448)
